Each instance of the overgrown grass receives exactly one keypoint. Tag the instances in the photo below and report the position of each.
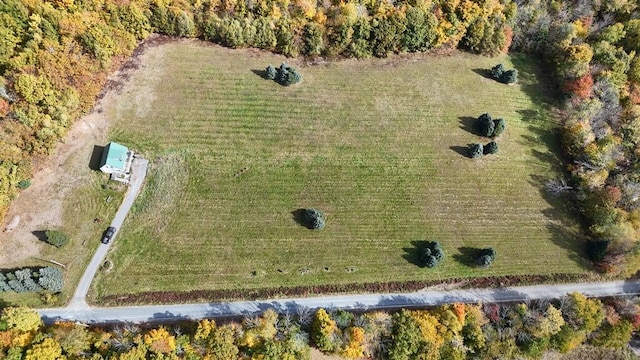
(92, 197)
(375, 144)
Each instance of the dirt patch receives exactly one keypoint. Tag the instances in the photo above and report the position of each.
(41, 206)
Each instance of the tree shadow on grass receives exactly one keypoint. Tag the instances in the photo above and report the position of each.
(485, 73)
(40, 235)
(573, 242)
(298, 216)
(462, 150)
(261, 73)
(467, 256)
(468, 124)
(96, 157)
(412, 254)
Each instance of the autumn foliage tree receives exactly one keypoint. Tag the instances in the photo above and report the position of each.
(324, 331)
(581, 87)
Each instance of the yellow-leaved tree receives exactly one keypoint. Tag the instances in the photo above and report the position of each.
(160, 341)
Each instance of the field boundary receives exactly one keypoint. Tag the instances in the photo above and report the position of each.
(175, 297)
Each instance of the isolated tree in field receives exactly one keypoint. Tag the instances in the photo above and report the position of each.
(56, 238)
(497, 71)
(314, 219)
(476, 150)
(432, 254)
(271, 72)
(491, 148)
(486, 257)
(510, 76)
(284, 75)
(287, 75)
(498, 127)
(485, 125)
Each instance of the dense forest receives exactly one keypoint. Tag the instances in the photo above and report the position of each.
(456, 331)
(55, 56)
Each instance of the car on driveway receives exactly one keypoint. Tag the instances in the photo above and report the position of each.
(108, 234)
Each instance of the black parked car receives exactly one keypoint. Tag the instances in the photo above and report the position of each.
(108, 234)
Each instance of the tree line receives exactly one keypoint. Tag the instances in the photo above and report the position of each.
(592, 51)
(454, 331)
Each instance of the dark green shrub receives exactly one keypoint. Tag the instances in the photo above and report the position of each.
(486, 257)
(285, 75)
(485, 125)
(271, 72)
(499, 127)
(23, 184)
(56, 238)
(342, 318)
(491, 148)
(497, 71)
(314, 219)
(476, 151)
(596, 250)
(432, 254)
(509, 76)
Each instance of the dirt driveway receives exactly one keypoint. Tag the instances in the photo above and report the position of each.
(41, 206)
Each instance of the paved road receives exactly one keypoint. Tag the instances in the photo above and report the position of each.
(362, 302)
(138, 173)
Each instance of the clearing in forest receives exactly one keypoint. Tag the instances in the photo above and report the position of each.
(377, 144)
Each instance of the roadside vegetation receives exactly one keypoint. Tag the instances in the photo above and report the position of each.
(573, 326)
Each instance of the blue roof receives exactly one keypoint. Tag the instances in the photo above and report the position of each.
(115, 155)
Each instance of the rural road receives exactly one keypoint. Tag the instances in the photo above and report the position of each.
(138, 173)
(159, 313)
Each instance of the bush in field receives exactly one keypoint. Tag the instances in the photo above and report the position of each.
(486, 257)
(284, 75)
(503, 75)
(485, 125)
(498, 127)
(476, 151)
(314, 219)
(271, 72)
(509, 76)
(491, 148)
(56, 238)
(497, 71)
(51, 279)
(23, 184)
(432, 254)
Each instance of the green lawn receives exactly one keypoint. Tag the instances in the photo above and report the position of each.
(376, 144)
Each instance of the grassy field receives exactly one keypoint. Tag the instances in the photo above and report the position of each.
(376, 144)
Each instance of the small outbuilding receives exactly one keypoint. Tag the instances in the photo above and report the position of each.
(116, 160)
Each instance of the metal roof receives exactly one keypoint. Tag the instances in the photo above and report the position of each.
(115, 155)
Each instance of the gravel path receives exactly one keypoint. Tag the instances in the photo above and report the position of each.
(160, 313)
(138, 173)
